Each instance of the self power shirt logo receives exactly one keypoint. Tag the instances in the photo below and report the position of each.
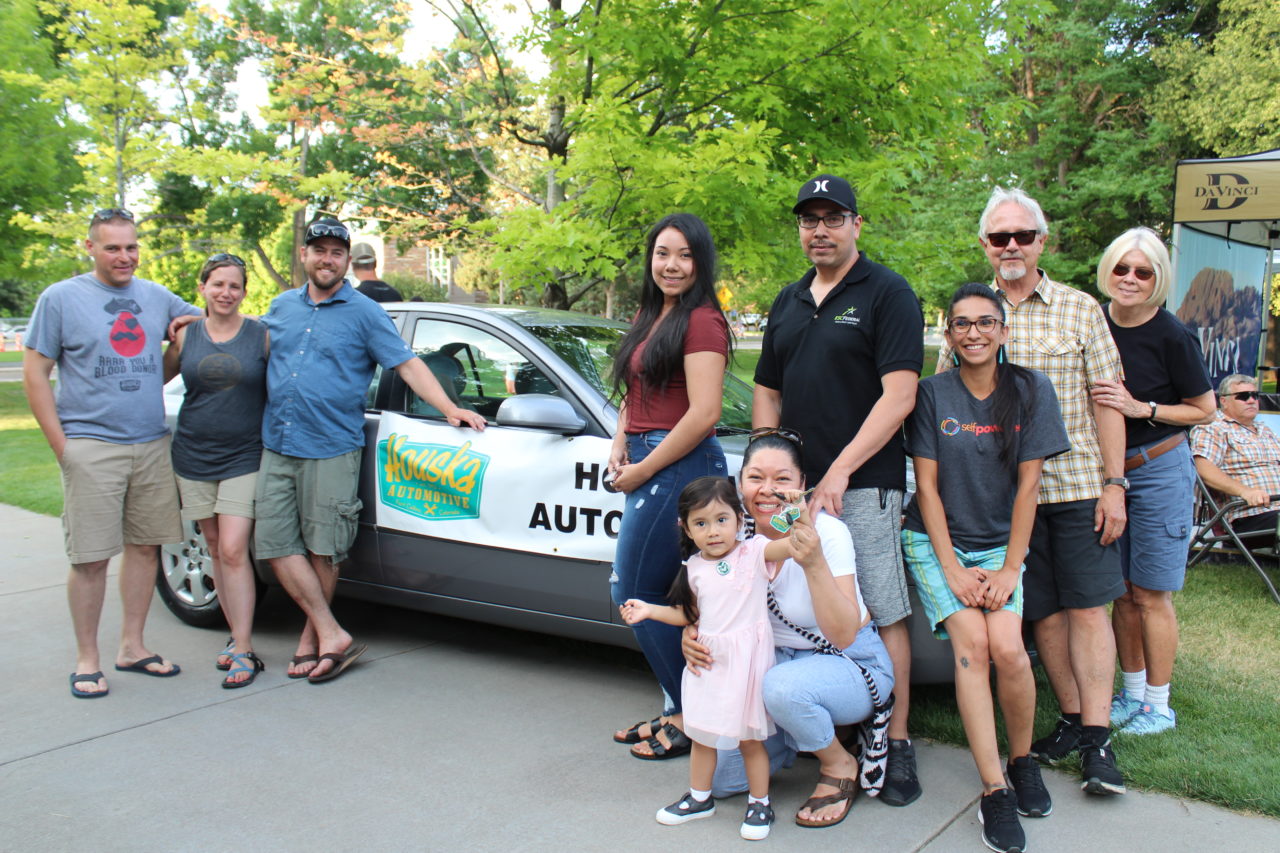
(436, 482)
(949, 426)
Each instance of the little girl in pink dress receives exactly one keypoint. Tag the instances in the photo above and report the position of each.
(723, 588)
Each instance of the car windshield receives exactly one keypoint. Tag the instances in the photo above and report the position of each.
(589, 350)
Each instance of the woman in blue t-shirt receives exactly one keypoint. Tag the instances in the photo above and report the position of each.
(979, 436)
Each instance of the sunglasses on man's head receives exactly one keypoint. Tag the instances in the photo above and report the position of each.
(1000, 239)
(1244, 396)
(1140, 273)
(323, 229)
(107, 214)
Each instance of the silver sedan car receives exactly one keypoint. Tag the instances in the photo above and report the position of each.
(513, 526)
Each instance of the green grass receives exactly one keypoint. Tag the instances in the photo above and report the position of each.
(1226, 748)
(29, 475)
(10, 355)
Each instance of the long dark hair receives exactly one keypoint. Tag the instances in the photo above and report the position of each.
(1015, 388)
(664, 354)
(703, 491)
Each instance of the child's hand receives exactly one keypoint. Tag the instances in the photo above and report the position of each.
(634, 610)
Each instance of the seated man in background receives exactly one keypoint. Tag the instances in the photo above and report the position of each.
(1239, 456)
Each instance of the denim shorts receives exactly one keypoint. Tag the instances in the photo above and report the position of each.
(1153, 549)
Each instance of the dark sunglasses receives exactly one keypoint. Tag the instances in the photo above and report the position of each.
(107, 214)
(782, 432)
(1244, 396)
(1000, 239)
(1140, 273)
(324, 229)
(226, 257)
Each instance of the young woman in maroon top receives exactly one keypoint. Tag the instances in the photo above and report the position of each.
(669, 371)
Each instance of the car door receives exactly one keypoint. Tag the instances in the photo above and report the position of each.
(514, 517)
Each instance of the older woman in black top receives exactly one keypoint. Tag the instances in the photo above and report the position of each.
(1165, 391)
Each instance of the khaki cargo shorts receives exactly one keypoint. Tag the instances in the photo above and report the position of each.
(207, 498)
(117, 494)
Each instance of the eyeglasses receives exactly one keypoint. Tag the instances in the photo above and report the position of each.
(986, 325)
(1244, 396)
(1000, 239)
(226, 257)
(107, 214)
(831, 220)
(782, 432)
(1140, 273)
(324, 229)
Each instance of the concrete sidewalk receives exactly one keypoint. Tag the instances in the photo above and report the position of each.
(449, 735)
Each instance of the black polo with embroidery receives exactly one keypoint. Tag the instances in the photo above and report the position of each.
(827, 362)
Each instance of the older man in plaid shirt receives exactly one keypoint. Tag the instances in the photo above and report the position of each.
(1239, 456)
(1073, 567)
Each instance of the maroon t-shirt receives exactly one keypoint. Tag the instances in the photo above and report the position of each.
(654, 408)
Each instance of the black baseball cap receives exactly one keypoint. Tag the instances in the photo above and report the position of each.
(829, 188)
(327, 227)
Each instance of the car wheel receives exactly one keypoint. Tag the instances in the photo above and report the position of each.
(185, 580)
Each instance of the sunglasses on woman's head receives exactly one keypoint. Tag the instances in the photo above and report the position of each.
(782, 432)
(1140, 273)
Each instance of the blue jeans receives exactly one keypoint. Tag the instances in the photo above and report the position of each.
(648, 554)
(808, 694)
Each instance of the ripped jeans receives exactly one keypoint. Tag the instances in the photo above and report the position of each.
(648, 555)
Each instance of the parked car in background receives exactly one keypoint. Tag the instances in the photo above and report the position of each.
(516, 525)
(751, 320)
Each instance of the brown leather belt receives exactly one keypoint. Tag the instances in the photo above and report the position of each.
(1154, 450)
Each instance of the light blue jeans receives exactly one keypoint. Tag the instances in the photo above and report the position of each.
(807, 695)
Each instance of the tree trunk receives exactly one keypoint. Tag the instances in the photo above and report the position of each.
(297, 275)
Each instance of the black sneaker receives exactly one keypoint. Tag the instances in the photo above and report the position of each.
(901, 786)
(1033, 796)
(755, 826)
(1058, 744)
(1098, 771)
(685, 809)
(1001, 831)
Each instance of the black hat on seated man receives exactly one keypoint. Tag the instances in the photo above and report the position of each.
(327, 227)
(828, 188)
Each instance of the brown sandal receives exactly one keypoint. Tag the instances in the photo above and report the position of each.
(848, 790)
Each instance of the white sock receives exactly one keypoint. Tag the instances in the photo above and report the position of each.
(1135, 684)
(764, 801)
(700, 796)
(1158, 698)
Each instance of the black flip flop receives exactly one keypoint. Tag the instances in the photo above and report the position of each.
(341, 661)
(141, 666)
(297, 659)
(78, 677)
(680, 745)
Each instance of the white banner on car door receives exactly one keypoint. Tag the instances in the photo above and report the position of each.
(508, 488)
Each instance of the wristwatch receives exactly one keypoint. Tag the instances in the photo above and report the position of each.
(1152, 404)
(1122, 482)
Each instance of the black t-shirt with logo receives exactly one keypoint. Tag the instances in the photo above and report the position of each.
(827, 362)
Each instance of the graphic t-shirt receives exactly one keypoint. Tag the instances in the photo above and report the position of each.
(106, 341)
(959, 431)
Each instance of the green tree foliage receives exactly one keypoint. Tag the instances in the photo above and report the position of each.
(28, 124)
(1226, 90)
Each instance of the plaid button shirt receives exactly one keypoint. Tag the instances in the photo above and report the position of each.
(1061, 332)
(1250, 455)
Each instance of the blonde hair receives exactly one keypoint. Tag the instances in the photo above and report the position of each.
(1149, 243)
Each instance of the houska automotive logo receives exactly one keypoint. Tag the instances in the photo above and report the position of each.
(435, 482)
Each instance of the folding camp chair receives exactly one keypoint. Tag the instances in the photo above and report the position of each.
(1215, 534)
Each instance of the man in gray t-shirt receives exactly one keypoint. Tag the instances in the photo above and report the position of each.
(106, 426)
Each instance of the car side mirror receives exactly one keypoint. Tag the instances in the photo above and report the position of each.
(541, 411)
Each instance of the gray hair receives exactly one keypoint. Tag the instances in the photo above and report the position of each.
(999, 196)
(1224, 387)
(1152, 247)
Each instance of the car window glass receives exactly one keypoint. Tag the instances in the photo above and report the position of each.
(476, 369)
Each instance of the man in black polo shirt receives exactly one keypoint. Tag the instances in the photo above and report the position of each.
(839, 365)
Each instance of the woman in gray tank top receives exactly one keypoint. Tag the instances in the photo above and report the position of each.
(218, 445)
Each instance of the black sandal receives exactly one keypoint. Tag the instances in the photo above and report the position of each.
(680, 745)
(632, 735)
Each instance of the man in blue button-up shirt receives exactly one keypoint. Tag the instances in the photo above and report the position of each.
(326, 339)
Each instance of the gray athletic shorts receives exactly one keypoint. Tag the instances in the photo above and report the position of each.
(874, 518)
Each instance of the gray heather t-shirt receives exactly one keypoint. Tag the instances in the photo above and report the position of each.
(953, 427)
(106, 341)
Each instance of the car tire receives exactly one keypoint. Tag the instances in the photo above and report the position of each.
(184, 579)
